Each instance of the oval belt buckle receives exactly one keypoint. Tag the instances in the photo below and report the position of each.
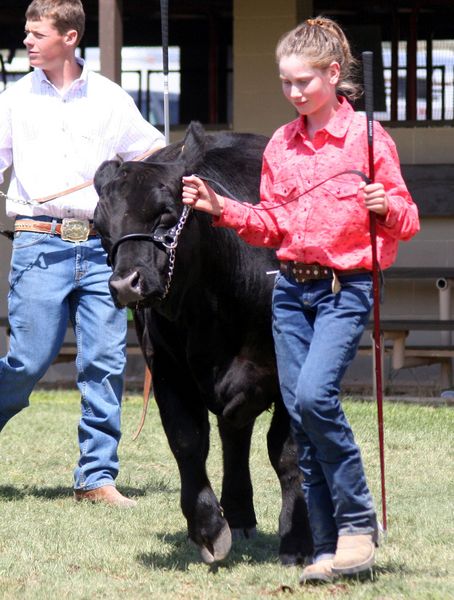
(75, 230)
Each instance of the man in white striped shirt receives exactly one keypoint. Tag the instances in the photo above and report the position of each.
(57, 124)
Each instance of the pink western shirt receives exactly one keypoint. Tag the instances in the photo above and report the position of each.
(330, 224)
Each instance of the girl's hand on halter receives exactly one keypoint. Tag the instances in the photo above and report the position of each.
(375, 198)
(199, 195)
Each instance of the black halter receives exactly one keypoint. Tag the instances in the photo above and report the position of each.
(168, 238)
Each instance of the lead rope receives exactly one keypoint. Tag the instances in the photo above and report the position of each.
(76, 188)
(360, 174)
(36, 202)
(335, 284)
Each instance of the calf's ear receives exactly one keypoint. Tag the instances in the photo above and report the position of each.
(193, 150)
(104, 173)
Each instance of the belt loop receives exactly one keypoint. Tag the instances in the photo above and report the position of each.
(53, 227)
(335, 284)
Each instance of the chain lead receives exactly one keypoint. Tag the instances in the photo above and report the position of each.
(19, 200)
(173, 247)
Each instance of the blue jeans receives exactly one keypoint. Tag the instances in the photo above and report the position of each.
(316, 335)
(51, 282)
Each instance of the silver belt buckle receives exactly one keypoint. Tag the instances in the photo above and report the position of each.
(75, 230)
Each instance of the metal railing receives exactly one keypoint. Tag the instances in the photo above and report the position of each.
(434, 99)
(439, 105)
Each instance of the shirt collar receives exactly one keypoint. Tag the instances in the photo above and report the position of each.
(337, 126)
(81, 80)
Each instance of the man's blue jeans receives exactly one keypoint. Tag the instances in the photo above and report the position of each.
(51, 282)
(316, 336)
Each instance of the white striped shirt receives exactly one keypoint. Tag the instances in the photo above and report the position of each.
(56, 141)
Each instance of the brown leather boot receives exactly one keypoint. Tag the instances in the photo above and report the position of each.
(354, 554)
(318, 572)
(107, 494)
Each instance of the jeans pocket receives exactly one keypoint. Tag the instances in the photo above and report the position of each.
(361, 282)
(24, 239)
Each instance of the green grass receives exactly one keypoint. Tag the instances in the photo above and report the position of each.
(51, 547)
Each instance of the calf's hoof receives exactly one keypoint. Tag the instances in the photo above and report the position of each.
(244, 533)
(292, 560)
(294, 552)
(219, 548)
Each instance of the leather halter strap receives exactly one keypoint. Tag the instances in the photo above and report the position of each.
(86, 184)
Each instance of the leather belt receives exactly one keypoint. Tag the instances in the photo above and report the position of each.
(302, 272)
(70, 230)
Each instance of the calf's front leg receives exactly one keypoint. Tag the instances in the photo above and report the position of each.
(237, 493)
(185, 422)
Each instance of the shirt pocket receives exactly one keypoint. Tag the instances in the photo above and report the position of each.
(85, 135)
(344, 210)
(285, 188)
(341, 190)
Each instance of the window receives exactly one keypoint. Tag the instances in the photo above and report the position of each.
(142, 77)
(413, 46)
(434, 80)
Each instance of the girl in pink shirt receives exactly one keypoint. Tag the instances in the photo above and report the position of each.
(318, 220)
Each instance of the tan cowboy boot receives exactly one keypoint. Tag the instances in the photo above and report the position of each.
(354, 554)
(318, 572)
(108, 494)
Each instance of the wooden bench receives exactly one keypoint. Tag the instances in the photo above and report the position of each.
(403, 355)
(396, 330)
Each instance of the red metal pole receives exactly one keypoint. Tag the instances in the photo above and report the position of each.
(368, 96)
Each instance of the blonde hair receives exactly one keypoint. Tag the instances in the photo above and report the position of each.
(65, 14)
(321, 41)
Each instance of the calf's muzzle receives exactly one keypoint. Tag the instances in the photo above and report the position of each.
(127, 290)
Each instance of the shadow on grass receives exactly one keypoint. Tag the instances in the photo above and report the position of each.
(393, 568)
(159, 487)
(13, 494)
(262, 549)
(178, 553)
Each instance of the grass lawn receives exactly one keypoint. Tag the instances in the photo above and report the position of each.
(51, 547)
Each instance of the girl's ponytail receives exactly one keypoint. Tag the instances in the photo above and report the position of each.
(322, 41)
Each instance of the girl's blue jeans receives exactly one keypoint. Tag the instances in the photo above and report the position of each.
(51, 282)
(316, 335)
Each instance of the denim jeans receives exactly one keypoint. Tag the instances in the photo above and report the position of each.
(316, 335)
(51, 282)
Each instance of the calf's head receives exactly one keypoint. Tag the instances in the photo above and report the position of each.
(140, 217)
